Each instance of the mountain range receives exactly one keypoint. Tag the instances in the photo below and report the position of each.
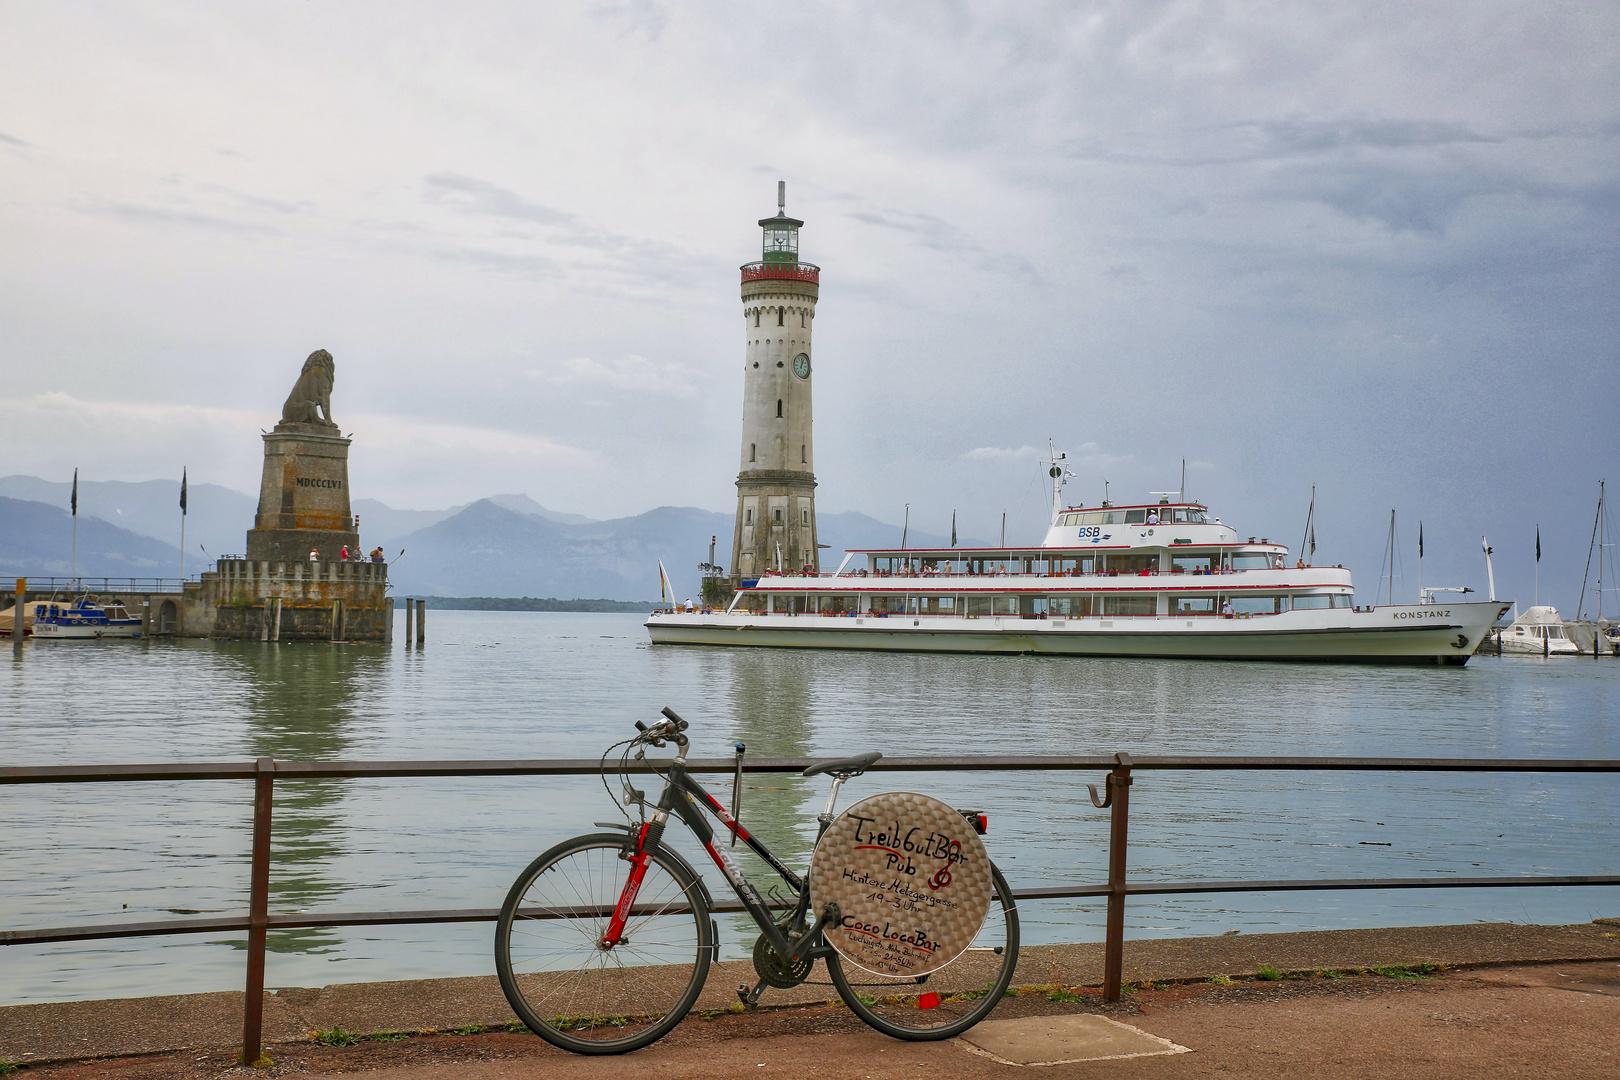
(505, 545)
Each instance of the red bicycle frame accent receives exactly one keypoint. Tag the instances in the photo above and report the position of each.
(627, 898)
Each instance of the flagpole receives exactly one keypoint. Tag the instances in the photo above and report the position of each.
(1420, 560)
(182, 528)
(1538, 565)
(74, 571)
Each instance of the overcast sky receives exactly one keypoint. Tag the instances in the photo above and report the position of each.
(1366, 246)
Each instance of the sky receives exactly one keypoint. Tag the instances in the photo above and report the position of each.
(1370, 247)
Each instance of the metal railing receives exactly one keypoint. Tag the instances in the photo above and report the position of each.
(108, 584)
(783, 271)
(1120, 769)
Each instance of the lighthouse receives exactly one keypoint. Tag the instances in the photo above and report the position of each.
(776, 483)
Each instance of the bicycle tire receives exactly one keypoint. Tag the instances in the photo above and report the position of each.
(964, 991)
(570, 990)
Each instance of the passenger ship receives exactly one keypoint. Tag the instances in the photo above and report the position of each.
(1155, 580)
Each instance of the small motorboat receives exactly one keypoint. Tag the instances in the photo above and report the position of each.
(81, 619)
(1538, 632)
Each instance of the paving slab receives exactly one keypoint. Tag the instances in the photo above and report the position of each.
(1064, 1040)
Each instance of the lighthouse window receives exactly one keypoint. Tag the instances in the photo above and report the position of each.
(751, 452)
(778, 406)
(778, 515)
(804, 517)
(756, 317)
(804, 454)
(801, 319)
(780, 314)
(748, 517)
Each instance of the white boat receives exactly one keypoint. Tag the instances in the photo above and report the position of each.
(1157, 579)
(1539, 632)
(81, 618)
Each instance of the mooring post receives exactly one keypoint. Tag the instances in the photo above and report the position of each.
(1119, 796)
(410, 613)
(421, 622)
(19, 618)
(258, 913)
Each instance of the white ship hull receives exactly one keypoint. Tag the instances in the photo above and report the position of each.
(44, 629)
(1422, 634)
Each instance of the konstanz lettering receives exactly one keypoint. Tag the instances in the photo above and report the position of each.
(1441, 613)
(311, 481)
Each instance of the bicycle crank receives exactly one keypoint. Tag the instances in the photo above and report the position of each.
(778, 972)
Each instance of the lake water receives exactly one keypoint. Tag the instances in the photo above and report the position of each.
(531, 685)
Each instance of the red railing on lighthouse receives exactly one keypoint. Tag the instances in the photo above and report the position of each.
(781, 271)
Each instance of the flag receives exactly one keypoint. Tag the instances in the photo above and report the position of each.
(1538, 543)
(953, 528)
(1313, 540)
(74, 500)
(182, 492)
(666, 591)
(1420, 539)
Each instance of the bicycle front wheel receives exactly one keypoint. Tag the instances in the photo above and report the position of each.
(570, 988)
(947, 1002)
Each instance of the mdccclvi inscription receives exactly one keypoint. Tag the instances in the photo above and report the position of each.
(317, 482)
(911, 878)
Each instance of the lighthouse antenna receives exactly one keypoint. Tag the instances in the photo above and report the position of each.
(781, 197)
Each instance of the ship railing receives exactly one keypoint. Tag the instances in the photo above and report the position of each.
(1121, 769)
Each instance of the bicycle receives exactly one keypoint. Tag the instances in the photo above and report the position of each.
(605, 941)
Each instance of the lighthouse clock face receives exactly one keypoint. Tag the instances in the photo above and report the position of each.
(801, 366)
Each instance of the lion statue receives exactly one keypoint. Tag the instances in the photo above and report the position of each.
(311, 399)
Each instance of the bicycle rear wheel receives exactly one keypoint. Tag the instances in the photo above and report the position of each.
(949, 1001)
(573, 991)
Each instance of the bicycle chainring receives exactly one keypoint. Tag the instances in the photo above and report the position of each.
(776, 971)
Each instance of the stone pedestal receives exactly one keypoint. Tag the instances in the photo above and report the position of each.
(304, 496)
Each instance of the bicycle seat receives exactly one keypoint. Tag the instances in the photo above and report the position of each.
(844, 767)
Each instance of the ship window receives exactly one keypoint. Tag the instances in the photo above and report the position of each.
(1312, 603)
(1130, 605)
(1136, 517)
(1122, 563)
(1259, 605)
(1113, 517)
(936, 605)
(1341, 600)
(1071, 606)
(1251, 560)
(1192, 605)
(1189, 517)
(1190, 564)
(978, 605)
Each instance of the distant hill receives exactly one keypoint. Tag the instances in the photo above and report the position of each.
(533, 603)
(503, 546)
(217, 518)
(36, 539)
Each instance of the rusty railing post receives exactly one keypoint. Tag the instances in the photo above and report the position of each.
(258, 914)
(1119, 796)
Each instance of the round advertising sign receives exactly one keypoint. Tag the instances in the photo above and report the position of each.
(911, 879)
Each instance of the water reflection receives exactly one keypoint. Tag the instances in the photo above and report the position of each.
(303, 706)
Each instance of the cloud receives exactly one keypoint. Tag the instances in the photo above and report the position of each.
(1273, 140)
(998, 453)
(634, 373)
(136, 214)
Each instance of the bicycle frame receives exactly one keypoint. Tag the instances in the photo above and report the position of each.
(688, 800)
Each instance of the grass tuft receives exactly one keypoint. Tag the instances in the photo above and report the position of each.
(388, 1036)
(7, 1068)
(1063, 993)
(470, 1029)
(1267, 973)
(336, 1036)
(1406, 971)
(1221, 980)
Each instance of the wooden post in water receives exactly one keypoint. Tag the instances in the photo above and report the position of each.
(410, 613)
(421, 622)
(19, 618)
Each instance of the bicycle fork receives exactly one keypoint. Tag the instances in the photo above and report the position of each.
(647, 841)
